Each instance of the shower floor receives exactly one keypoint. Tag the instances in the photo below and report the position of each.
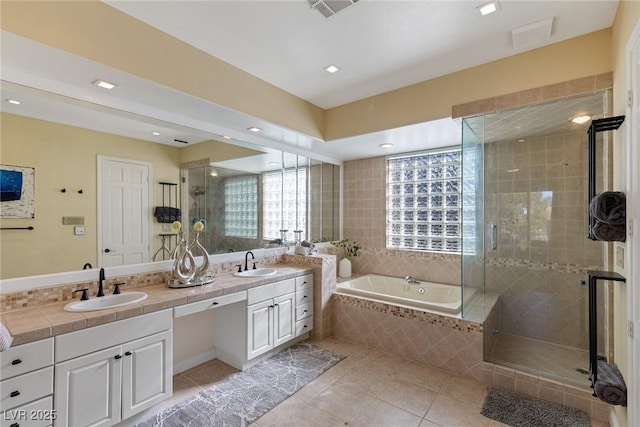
(543, 358)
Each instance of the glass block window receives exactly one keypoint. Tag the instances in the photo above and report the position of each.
(241, 206)
(284, 202)
(424, 201)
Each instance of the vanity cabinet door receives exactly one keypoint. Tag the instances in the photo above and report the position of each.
(87, 389)
(284, 318)
(146, 373)
(259, 328)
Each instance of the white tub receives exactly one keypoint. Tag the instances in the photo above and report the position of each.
(394, 290)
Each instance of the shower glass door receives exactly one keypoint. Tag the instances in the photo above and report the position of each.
(530, 238)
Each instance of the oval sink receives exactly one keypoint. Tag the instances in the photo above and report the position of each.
(258, 272)
(108, 301)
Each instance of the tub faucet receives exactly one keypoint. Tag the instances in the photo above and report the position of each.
(411, 280)
(246, 260)
(100, 288)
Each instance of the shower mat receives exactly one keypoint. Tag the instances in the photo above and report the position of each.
(246, 396)
(519, 410)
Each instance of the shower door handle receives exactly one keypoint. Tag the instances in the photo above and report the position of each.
(494, 237)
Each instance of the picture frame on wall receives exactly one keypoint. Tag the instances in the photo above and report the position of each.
(17, 191)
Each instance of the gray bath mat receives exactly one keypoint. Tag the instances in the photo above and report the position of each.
(523, 411)
(246, 396)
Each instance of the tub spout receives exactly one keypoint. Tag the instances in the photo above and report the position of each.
(411, 280)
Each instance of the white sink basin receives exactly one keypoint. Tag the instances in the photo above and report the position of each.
(107, 301)
(258, 272)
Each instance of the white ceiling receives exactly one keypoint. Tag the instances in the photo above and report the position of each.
(380, 46)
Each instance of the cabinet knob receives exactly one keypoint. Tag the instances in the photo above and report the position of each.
(128, 353)
(304, 326)
(304, 296)
(118, 356)
(16, 362)
(15, 393)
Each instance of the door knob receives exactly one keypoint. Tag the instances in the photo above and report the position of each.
(108, 250)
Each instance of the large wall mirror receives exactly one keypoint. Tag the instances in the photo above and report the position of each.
(245, 193)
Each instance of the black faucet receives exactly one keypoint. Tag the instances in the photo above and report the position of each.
(246, 257)
(100, 288)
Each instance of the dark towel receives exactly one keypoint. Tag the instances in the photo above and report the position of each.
(609, 207)
(609, 233)
(610, 386)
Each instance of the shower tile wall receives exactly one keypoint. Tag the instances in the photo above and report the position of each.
(364, 221)
(536, 195)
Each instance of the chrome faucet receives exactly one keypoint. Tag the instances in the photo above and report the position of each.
(246, 258)
(100, 288)
(411, 280)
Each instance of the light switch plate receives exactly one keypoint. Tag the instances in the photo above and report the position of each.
(78, 230)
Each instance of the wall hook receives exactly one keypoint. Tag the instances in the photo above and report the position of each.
(64, 190)
(80, 191)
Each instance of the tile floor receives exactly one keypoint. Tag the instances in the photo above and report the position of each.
(369, 388)
(541, 357)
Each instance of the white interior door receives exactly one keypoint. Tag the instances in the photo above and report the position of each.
(124, 211)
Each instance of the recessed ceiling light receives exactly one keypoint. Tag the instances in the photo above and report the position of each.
(489, 8)
(254, 129)
(273, 163)
(13, 101)
(226, 136)
(386, 145)
(104, 84)
(581, 119)
(155, 133)
(331, 68)
(522, 140)
(512, 170)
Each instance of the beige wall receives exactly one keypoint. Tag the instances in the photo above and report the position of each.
(627, 17)
(65, 157)
(432, 99)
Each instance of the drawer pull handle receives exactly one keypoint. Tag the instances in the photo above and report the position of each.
(15, 425)
(304, 326)
(276, 305)
(304, 311)
(215, 303)
(128, 353)
(15, 393)
(304, 296)
(118, 356)
(16, 362)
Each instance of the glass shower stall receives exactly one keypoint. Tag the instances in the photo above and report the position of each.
(525, 245)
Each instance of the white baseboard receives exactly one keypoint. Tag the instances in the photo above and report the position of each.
(194, 361)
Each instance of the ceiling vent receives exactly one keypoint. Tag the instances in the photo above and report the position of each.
(534, 34)
(328, 8)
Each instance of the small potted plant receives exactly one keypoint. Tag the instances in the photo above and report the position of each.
(350, 249)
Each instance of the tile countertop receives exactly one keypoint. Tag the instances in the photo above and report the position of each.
(35, 323)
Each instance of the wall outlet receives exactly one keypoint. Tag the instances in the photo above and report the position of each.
(78, 230)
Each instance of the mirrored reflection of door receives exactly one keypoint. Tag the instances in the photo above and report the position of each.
(125, 212)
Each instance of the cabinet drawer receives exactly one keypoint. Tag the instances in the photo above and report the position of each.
(272, 290)
(25, 388)
(25, 358)
(208, 304)
(303, 297)
(304, 310)
(303, 326)
(304, 282)
(88, 340)
(35, 414)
